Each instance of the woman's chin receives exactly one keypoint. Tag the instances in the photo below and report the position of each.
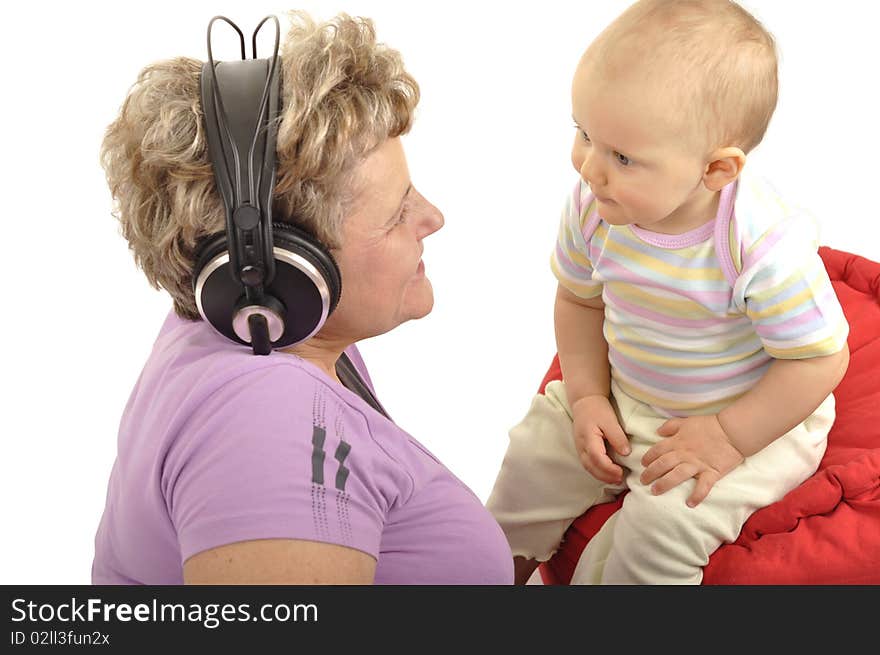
(421, 301)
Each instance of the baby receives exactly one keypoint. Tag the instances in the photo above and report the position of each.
(697, 330)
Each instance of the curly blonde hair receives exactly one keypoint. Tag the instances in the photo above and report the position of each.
(343, 95)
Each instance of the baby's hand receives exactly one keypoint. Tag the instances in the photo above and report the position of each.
(595, 423)
(695, 447)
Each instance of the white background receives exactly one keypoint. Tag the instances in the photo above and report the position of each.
(490, 148)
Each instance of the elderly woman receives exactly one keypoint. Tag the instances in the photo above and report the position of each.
(218, 478)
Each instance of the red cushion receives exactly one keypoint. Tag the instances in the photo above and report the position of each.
(826, 531)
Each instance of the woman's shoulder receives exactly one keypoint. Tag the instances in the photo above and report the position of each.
(191, 354)
(215, 387)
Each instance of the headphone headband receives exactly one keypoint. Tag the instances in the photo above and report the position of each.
(241, 144)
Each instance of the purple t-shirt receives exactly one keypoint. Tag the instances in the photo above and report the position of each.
(218, 446)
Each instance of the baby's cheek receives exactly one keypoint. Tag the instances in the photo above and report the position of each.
(577, 158)
(642, 204)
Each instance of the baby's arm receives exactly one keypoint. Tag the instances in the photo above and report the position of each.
(583, 357)
(709, 447)
(789, 392)
(580, 342)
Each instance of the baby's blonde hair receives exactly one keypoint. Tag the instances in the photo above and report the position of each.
(343, 95)
(715, 59)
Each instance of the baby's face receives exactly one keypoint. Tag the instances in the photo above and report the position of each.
(629, 147)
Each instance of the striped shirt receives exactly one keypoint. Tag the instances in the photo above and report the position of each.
(694, 320)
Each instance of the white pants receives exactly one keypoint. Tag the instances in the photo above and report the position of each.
(542, 487)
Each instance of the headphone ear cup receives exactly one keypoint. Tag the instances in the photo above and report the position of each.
(205, 252)
(305, 290)
(293, 239)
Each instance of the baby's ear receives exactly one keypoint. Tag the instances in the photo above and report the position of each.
(725, 165)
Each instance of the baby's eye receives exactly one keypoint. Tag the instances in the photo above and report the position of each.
(623, 160)
(583, 134)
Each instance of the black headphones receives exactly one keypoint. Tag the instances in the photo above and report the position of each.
(264, 284)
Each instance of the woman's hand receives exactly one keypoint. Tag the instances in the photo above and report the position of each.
(595, 423)
(695, 447)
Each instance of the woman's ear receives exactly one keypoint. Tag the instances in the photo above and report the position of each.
(725, 165)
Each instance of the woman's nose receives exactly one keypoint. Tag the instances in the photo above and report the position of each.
(432, 218)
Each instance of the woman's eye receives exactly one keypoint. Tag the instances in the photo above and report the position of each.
(623, 160)
(585, 136)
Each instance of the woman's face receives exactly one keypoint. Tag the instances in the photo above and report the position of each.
(383, 276)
